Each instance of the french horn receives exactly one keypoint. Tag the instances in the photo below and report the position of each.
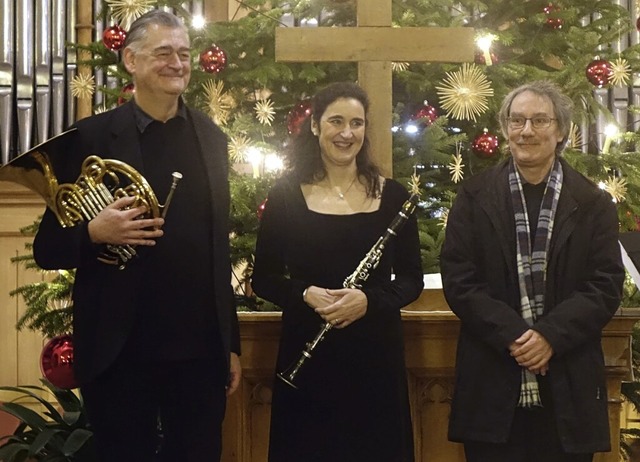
(100, 183)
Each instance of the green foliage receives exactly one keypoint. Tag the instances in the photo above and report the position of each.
(49, 308)
(60, 433)
(526, 48)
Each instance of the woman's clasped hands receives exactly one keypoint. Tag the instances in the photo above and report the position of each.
(340, 307)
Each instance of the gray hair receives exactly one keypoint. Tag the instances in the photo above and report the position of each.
(138, 29)
(562, 107)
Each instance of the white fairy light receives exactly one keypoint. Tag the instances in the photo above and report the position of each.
(198, 22)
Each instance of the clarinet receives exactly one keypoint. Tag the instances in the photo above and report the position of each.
(354, 281)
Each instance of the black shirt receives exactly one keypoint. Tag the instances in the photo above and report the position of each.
(176, 315)
(533, 194)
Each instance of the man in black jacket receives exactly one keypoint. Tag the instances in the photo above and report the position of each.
(531, 265)
(156, 343)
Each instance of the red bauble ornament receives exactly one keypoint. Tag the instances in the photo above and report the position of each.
(485, 145)
(298, 115)
(113, 37)
(56, 362)
(426, 114)
(261, 207)
(213, 60)
(552, 21)
(599, 72)
(638, 24)
(126, 93)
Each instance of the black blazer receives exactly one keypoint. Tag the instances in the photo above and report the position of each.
(583, 291)
(103, 296)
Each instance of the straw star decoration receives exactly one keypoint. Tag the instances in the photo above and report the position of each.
(620, 72)
(575, 137)
(220, 102)
(264, 111)
(455, 168)
(399, 66)
(617, 187)
(101, 109)
(82, 86)
(443, 218)
(237, 147)
(414, 183)
(124, 12)
(464, 93)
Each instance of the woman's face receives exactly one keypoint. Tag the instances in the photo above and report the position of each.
(340, 131)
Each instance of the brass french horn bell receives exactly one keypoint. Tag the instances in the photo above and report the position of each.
(100, 183)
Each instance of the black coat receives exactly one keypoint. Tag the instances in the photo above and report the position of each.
(583, 291)
(103, 296)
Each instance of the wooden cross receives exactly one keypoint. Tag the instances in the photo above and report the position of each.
(374, 44)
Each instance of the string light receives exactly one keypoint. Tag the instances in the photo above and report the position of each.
(198, 22)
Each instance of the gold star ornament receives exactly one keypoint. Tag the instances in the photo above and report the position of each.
(124, 12)
(82, 86)
(455, 168)
(264, 111)
(400, 66)
(443, 218)
(620, 72)
(414, 183)
(575, 137)
(463, 94)
(219, 102)
(617, 187)
(237, 148)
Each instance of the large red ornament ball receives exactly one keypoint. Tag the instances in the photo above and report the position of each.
(425, 115)
(113, 37)
(56, 362)
(553, 21)
(485, 145)
(599, 72)
(638, 23)
(261, 207)
(126, 93)
(213, 60)
(298, 115)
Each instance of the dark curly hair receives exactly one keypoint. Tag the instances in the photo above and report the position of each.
(303, 152)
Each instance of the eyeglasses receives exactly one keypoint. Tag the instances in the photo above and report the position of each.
(538, 122)
(166, 54)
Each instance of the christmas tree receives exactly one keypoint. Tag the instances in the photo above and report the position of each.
(444, 114)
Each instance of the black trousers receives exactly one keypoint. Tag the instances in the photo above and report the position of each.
(160, 412)
(533, 438)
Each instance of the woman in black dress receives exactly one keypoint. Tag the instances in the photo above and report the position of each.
(319, 222)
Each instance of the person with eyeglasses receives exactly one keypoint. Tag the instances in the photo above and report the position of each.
(531, 266)
(156, 344)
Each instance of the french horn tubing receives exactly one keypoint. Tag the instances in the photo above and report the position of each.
(100, 183)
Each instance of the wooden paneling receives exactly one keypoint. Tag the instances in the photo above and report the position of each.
(20, 351)
(430, 344)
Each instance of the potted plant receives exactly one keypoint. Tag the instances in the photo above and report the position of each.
(59, 433)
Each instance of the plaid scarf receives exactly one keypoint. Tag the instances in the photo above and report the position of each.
(532, 262)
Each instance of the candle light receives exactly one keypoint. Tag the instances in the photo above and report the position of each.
(484, 42)
(255, 157)
(611, 131)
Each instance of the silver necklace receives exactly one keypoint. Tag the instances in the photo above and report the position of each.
(342, 194)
